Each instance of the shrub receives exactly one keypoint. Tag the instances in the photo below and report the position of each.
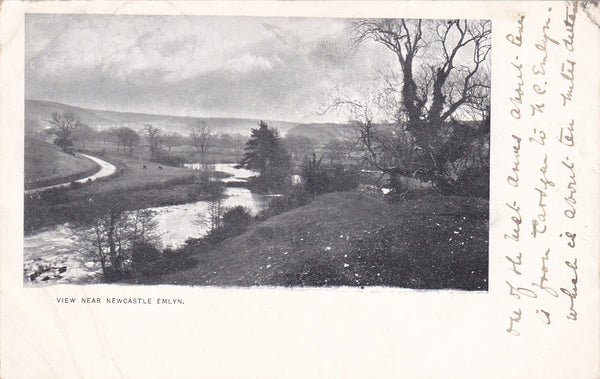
(144, 253)
(318, 179)
(236, 218)
(75, 185)
(169, 261)
(297, 197)
(473, 181)
(170, 160)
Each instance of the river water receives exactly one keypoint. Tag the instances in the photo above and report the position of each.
(57, 254)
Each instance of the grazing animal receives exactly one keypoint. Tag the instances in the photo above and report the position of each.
(145, 167)
(160, 167)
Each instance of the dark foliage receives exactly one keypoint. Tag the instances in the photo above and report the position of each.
(297, 197)
(473, 181)
(143, 254)
(169, 261)
(318, 179)
(75, 185)
(236, 219)
(169, 159)
(65, 144)
(265, 154)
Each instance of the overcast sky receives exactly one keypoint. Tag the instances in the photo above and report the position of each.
(269, 68)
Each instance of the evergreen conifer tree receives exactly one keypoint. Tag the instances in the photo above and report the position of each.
(265, 154)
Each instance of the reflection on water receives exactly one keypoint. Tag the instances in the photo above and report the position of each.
(237, 174)
(176, 223)
(55, 256)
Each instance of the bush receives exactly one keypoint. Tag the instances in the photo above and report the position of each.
(144, 253)
(234, 222)
(236, 219)
(319, 179)
(473, 181)
(170, 160)
(75, 185)
(169, 261)
(295, 198)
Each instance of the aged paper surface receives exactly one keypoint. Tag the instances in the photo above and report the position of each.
(539, 317)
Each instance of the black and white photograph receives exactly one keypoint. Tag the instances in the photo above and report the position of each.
(231, 151)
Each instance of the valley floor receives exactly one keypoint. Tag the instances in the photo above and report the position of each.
(140, 183)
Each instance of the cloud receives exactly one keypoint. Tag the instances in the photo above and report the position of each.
(247, 63)
(274, 68)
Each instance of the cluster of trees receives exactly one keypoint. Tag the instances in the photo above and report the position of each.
(69, 132)
(429, 118)
(120, 241)
(67, 129)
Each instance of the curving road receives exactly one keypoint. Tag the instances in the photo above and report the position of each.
(106, 169)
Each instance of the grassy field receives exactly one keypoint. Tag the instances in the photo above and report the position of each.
(354, 239)
(45, 163)
(140, 187)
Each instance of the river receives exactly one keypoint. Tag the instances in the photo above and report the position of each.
(56, 254)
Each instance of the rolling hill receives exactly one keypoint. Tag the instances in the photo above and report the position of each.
(320, 131)
(46, 164)
(37, 112)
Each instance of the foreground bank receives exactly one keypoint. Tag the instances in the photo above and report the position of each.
(354, 239)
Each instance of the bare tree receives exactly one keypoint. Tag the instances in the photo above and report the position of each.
(443, 77)
(83, 135)
(201, 138)
(171, 140)
(127, 138)
(64, 126)
(106, 135)
(154, 139)
(215, 212)
(116, 238)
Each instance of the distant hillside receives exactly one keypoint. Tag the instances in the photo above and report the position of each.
(321, 132)
(37, 113)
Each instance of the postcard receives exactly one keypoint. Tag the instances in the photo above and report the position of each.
(300, 189)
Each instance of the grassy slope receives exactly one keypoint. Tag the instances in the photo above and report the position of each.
(44, 161)
(142, 187)
(134, 175)
(356, 239)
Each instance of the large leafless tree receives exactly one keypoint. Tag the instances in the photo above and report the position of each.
(64, 126)
(443, 77)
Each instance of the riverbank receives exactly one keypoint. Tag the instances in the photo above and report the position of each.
(354, 239)
(61, 253)
(138, 183)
